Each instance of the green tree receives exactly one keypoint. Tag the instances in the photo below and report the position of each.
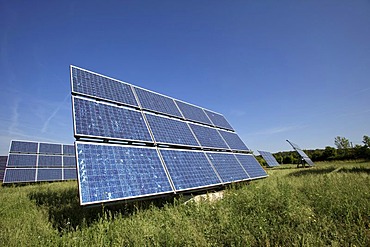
(366, 141)
(341, 142)
(329, 153)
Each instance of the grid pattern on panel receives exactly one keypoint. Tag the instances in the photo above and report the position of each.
(269, 158)
(91, 84)
(68, 150)
(218, 120)
(49, 161)
(69, 174)
(251, 165)
(208, 137)
(189, 169)
(193, 113)
(24, 147)
(233, 140)
(112, 172)
(50, 148)
(69, 161)
(170, 131)
(157, 103)
(44, 174)
(19, 175)
(227, 166)
(22, 160)
(102, 120)
(301, 153)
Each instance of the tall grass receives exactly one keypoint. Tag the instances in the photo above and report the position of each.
(325, 205)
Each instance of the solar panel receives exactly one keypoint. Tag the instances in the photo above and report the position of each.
(43, 164)
(93, 119)
(269, 158)
(218, 120)
(113, 172)
(301, 153)
(24, 147)
(3, 161)
(189, 169)
(50, 161)
(44, 174)
(208, 137)
(102, 87)
(158, 146)
(193, 113)
(50, 148)
(227, 166)
(170, 131)
(69, 174)
(68, 150)
(69, 161)
(13, 175)
(156, 102)
(22, 160)
(251, 166)
(233, 140)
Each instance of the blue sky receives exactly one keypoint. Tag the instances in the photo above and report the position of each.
(277, 70)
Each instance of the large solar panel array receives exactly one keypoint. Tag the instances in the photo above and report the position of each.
(269, 158)
(133, 143)
(301, 153)
(39, 161)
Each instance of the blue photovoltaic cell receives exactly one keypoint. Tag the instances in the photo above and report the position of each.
(45, 174)
(208, 137)
(269, 158)
(218, 120)
(227, 167)
(3, 160)
(19, 175)
(24, 147)
(91, 84)
(189, 169)
(112, 172)
(170, 131)
(68, 150)
(69, 174)
(251, 165)
(50, 148)
(193, 113)
(233, 140)
(22, 160)
(157, 103)
(50, 161)
(69, 161)
(101, 120)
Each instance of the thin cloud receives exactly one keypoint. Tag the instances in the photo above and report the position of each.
(277, 130)
(14, 119)
(53, 114)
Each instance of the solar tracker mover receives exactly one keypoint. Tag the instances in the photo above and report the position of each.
(301, 153)
(39, 161)
(133, 143)
(269, 158)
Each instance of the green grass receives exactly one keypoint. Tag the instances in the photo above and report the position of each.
(325, 205)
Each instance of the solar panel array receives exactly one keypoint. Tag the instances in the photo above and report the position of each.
(133, 143)
(3, 160)
(301, 153)
(39, 161)
(269, 158)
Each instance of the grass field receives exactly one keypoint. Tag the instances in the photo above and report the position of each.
(325, 205)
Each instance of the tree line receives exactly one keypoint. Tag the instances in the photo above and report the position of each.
(344, 150)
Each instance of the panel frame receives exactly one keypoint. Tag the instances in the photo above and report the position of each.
(303, 155)
(247, 154)
(267, 159)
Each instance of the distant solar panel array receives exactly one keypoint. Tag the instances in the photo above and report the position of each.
(134, 143)
(269, 158)
(3, 160)
(303, 155)
(39, 161)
